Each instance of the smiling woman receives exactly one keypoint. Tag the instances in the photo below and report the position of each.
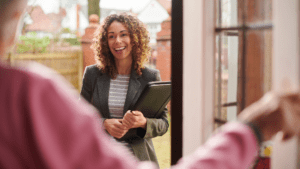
(117, 28)
(119, 43)
(114, 84)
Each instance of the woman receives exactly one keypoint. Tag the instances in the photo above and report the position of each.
(57, 131)
(115, 83)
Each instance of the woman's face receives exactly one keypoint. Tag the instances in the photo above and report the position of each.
(119, 41)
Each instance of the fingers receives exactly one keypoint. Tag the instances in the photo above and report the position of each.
(291, 113)
(128, 120)
(137, 113)
(118, 133)
(290, 109)
(134, 119)
(115, 128)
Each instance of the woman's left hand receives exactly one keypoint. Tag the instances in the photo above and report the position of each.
(134, 119)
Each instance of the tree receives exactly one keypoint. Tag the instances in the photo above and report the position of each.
(94, 7)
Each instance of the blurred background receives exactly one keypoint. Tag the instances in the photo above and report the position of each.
(59, 33)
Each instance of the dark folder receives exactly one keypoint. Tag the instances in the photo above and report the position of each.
(152, 101)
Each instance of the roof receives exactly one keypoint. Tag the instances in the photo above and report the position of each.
(154, 12)
(134, 5)
(167, 4)
(70, 21)
(39, 21)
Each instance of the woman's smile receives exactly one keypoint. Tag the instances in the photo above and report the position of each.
(120, 50)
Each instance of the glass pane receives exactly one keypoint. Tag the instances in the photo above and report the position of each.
(258, 64)
(217, 77)
(226, 73)
(230, 69)
(258, 11)
(229, 13)
(217, 12)
(231, 113)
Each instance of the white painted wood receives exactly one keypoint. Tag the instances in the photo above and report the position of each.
(285, 67)
(208, 73)
(198, 72)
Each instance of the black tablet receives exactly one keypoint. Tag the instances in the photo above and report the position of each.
(154, 98)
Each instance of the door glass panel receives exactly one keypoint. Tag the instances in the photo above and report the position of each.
(228, 10)
(226, 74)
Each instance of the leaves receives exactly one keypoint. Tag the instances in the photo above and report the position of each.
(32, 43)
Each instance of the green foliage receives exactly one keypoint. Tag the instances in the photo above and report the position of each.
(93, 7)
(72, 41)
(66, 30)
(33, 44)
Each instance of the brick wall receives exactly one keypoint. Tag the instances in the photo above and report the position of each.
(87, 40)
(163, 61)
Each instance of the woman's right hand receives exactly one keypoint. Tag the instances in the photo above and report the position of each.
(115, 128)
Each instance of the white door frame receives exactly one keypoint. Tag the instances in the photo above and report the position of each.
(198, 72)
(286, 66)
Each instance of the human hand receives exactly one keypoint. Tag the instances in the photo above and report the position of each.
(134, 119)
(115, 128)
(275, 112)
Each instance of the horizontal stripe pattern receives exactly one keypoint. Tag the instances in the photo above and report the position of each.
(117, 95)
(116, 100)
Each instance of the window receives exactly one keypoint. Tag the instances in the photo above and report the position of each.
(194, 54)
(243, 55)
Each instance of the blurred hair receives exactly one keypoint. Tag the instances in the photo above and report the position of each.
(138, 37)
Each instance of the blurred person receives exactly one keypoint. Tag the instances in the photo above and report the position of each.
(43, 126)
(114, 84)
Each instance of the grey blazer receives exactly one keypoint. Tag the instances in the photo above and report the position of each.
(95, 89)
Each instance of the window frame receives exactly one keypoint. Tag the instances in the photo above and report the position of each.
(286, 69)
(178, 71)
(244, 28)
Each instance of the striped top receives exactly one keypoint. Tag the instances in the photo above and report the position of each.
(117, 95)
(116, 100)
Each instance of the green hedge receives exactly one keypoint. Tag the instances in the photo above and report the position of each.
(33, 44)
(72, 41)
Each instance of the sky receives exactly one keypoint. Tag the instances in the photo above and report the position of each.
(136, 5)
(50, 6)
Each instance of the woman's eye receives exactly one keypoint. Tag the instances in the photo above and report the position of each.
(124, 34)
(111, 36)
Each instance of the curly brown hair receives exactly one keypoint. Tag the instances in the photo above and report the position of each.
(139, 40)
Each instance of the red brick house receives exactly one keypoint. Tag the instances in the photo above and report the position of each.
(44, 22)
(163, 59)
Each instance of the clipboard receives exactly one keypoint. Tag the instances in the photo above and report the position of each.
(153, 99)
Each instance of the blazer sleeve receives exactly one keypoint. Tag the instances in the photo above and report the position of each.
(155, 126)
(88, 81)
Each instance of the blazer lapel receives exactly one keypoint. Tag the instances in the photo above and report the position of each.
(133, 88)
(103, 84)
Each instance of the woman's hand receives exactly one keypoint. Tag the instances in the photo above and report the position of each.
(115, 127)
(273, 113)
(134, 119)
